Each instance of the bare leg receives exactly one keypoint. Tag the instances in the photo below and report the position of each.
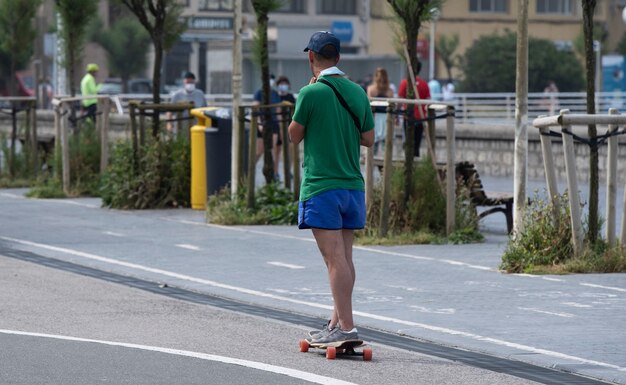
(336, 248)
(259, 148)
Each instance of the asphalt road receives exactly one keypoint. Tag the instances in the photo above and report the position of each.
(452, 296)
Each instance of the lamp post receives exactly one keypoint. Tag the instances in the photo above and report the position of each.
(434, 16)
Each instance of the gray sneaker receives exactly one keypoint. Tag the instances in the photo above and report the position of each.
(315, 334)
(335, 337)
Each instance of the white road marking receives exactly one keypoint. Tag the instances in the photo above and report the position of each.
(315, 378)
(307, 239)
(423, 309)
(188, 247)
(534, 310)
(576, 304)
(287, 265)
(69, 202)
(552, 279)
(53, 200)
(604, 287)
(12, 196)
(377, 317)
(114, 234)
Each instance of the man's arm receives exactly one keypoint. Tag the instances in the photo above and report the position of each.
(296, 132)
(367, 138)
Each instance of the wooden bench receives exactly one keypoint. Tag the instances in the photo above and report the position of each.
(499, 202)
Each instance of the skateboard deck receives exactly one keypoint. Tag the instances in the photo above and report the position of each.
(345, 348)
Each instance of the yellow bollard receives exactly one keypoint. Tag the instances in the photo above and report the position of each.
(198, 158)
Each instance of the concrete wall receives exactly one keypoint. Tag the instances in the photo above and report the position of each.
(491, 149)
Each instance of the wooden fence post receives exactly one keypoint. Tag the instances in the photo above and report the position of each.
(611, 182)
(450, 172)
(104, 135)
(252, 158)
(548, 165)
(572, 185)
(285, 112)
(33, 144)
(65, 153)
(387, 173)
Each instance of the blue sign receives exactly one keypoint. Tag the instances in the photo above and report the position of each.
(343, 30)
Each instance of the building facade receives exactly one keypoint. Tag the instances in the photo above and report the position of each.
(365, 28)
(556, 20)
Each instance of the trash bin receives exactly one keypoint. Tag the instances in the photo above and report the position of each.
(218, 149)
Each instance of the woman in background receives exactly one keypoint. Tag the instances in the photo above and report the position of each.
(379, 88)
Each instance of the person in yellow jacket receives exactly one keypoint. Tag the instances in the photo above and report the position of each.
(88, 86)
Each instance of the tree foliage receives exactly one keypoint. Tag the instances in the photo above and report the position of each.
(75, 17)
(17, 33)
(161, 18)
(446, 46)
(409, 16)
(489, 65)
(125, 39)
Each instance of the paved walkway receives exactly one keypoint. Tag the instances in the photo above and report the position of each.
(452, 295)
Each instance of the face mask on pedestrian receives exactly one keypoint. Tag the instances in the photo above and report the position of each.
(189, 87)
(283, 87)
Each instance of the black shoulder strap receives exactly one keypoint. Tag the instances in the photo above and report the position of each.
(343, 103)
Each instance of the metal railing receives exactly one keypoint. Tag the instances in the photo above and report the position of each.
(483, 108)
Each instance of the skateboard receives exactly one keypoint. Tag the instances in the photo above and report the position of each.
(344, 348)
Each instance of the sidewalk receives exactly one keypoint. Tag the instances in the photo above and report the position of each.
(452, 295)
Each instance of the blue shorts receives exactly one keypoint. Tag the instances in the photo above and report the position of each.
(333, 210)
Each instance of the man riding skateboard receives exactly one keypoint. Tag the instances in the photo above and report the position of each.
(333, 117)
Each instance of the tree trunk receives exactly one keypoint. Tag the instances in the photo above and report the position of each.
(409, 151)
(521, 118)
(590, 61)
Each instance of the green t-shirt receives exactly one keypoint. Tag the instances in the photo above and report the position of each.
(331, 139)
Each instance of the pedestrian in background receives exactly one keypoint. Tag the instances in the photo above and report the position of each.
(420, 111)
(272, 124)
(188, 93)
(332, 197)
(551, 100)
(284, 90)
(380, 88)
(89, 87)
(435, 89)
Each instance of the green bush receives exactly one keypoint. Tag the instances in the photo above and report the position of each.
(274, 205)
(85, 161)
(545, 239)
(424, 221)
(159, 177)
(16, 172)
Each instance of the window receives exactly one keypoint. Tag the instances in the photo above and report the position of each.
(216, 5)
(493, 6)
(332, 7)
(562, 7)
(292, 6)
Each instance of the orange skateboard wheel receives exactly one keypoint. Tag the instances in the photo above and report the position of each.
(331, 352)
(304, 346)
(367, 354)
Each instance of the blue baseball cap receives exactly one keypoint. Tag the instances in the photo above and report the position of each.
(321, 39)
